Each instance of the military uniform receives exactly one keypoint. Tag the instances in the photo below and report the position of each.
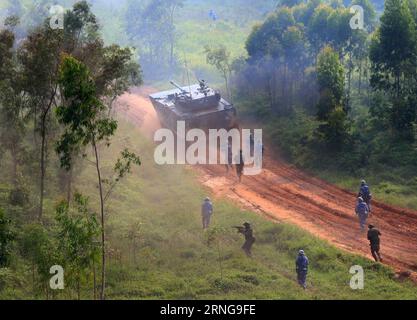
(239, 165)
(301, 267)
(373, 237)
(365, 194)
(206, 212)
(362, 210)
(247, 231)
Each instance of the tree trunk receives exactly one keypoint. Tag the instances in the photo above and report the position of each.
(103, 249)
(43, 169)
(14, 154)
(43, 150)
(69, 184)
(227, 86)
(172, 38)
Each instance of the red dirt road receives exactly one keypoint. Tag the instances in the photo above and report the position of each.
(284, 193)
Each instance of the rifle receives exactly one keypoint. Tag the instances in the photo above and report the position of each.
(240, 229)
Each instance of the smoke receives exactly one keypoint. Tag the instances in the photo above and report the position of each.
(137, 108)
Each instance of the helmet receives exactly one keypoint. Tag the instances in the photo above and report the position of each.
(363, 182)
(301, 252)
(207, 199)
(371, 226)
(246, 224)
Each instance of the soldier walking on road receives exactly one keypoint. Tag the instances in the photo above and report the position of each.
(365, 194)
(362, 211)
(373, 237)
(239, 165)
(247, 231)
(229, 156)
(206, 212)
(301, 267)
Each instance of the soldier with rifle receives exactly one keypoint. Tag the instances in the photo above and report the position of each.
(247, 232)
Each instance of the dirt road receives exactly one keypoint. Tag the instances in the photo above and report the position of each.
(284, 193)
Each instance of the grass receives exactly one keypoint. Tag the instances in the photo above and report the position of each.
(174, 258)
(175, 261)
(387, 185)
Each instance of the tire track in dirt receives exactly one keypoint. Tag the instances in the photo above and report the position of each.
(284, 193)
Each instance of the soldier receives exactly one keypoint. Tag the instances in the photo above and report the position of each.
(373, 237)
(206, 212)
(229, 156)
(239, 165)
(301, 267)
(365, 193)
(362, 211)
(247, 231)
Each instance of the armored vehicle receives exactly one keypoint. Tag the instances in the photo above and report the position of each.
(197, 105)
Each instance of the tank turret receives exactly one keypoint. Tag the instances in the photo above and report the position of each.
(198, 105)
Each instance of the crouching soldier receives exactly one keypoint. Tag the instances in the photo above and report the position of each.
(206, 212)
(301, 267)
(362, 211)
(373, 237)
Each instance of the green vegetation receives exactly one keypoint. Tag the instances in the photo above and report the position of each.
(61, 85)
(72, 192)
(171, 259)
(336, 101)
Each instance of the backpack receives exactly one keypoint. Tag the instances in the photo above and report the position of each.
(364, 191)
(302, 263)
(362, 208)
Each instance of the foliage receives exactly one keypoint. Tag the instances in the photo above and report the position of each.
(393, 54)
(6, 238)
(220, 58)
(151, 25)
(78, 234)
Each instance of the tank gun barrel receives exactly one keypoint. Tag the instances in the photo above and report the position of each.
(178, 87)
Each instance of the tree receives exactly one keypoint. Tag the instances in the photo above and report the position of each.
(78, 231)
(289, 3)
(330, 78)
(82, 114)
(13, 104)
(220, 58)
(114, 73)
(151, 24)
(37, 245)
(39, 58)
(393, 56)
(117, 72)
(6, 239)
(86, 124)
